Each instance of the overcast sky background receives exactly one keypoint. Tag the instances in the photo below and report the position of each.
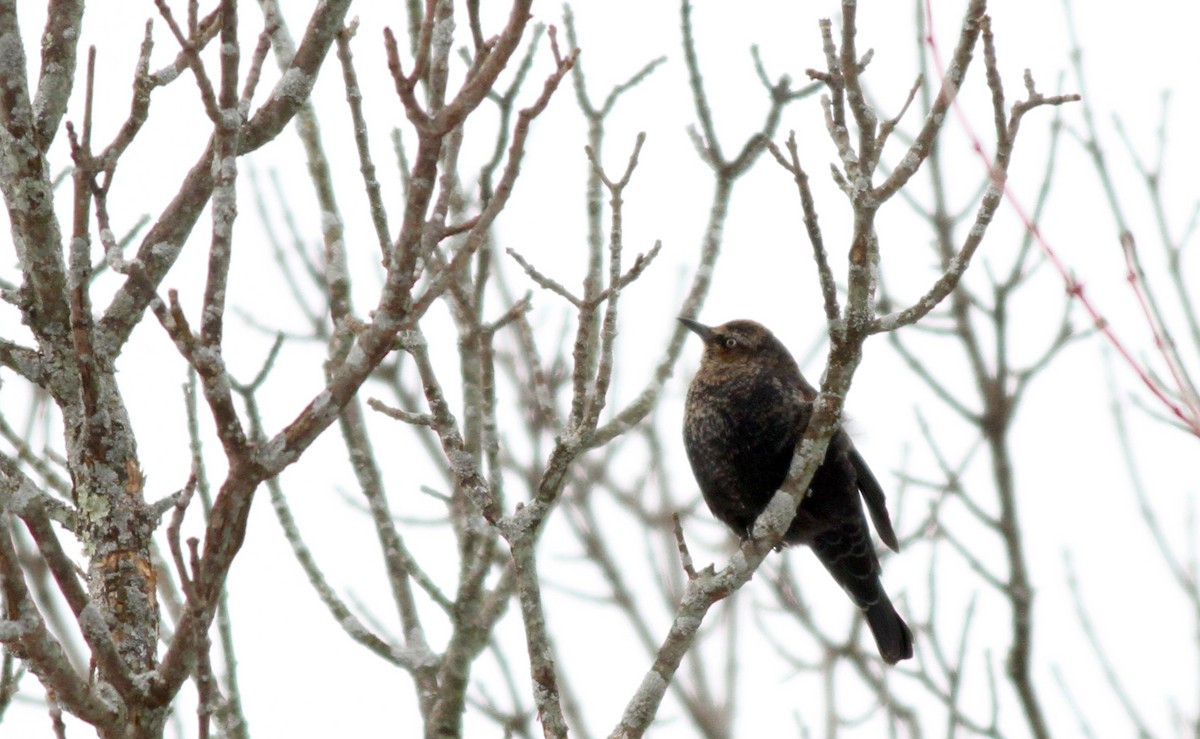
(302, 677)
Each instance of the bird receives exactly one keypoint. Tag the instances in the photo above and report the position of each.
(747, 407)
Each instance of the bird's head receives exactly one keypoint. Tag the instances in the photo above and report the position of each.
(738, 342)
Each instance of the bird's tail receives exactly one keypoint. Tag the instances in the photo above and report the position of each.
(892, 635)
(847, 553)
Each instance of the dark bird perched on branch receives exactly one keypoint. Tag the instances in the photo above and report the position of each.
(747, 408)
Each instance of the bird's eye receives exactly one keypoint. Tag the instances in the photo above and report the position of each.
(729, 342)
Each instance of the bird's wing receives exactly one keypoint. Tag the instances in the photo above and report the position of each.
(872, 493)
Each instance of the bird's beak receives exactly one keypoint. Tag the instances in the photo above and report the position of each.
(704, 332)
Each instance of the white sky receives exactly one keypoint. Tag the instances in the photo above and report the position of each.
(302, 677)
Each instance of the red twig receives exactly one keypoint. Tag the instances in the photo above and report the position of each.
(1162, 338)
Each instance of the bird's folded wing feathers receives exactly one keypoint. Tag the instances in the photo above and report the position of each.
(872, 493)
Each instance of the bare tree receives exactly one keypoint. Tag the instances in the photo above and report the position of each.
(480, 364)
(76, 345)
